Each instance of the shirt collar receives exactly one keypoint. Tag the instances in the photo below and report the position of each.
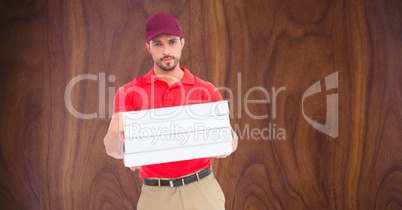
(188, 78)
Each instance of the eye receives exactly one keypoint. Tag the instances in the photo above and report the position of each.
(172, 42)
(157, 44)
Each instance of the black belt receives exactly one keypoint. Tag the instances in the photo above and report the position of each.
(179, 182)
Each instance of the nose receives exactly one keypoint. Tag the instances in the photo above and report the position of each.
(166, 50)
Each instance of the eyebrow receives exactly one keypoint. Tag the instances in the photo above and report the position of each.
(173, 39)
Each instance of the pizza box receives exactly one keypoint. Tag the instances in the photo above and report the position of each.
(177, 133)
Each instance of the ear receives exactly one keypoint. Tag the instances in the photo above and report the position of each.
(182, 41)
(148, 47)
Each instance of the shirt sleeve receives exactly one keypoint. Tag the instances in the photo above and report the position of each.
(216, 95)
(123, 101)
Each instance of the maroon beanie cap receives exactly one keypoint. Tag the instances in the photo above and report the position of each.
(162, 23)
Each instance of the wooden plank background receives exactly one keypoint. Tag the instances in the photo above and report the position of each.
(51, 159)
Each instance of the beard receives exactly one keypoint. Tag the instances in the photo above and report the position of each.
(169, 66)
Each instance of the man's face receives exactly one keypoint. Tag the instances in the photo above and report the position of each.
(166, 51)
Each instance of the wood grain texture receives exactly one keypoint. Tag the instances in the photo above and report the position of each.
(50, 159)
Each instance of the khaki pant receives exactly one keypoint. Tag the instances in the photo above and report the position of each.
(204, 194)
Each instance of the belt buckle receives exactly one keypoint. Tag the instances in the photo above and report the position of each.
(171, 182)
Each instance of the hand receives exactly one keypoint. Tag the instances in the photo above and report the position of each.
(120, 140)
(135, 167)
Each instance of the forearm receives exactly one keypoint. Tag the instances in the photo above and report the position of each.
(234, 141)
(113, 145)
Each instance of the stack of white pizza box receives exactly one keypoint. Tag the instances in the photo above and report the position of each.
(177, 133)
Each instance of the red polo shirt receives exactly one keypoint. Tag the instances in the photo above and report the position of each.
(148, 92)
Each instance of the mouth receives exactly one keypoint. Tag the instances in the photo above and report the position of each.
(167, 59)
